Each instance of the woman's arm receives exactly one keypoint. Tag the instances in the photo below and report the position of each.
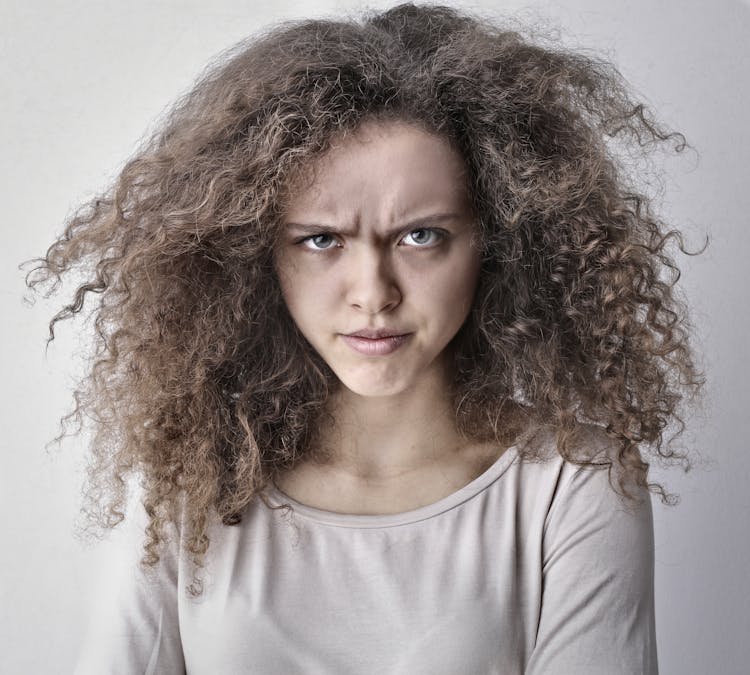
(597, 612)
(134, 626)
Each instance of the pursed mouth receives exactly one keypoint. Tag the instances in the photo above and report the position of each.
(375, 334)
(378, 346)
(381, 337)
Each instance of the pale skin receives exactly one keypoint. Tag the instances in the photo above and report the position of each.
(382, 238)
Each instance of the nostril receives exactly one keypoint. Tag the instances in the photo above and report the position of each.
(374, 295)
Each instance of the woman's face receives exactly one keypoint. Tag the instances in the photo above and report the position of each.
(381, 239)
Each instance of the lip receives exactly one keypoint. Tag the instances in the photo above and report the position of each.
(376, 333)
(376, 346)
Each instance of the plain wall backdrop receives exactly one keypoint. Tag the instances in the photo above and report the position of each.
(82, 81)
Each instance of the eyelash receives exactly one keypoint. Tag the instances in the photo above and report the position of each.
(440, 235)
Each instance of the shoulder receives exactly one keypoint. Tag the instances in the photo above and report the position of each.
(590, 486)
(587, 442)
(597, 556)
(590, 454)
(597, 501)
(595, 473)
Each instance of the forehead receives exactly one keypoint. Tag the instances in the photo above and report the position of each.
(382, 171)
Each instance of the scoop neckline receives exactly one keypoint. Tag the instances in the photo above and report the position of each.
(354, 520)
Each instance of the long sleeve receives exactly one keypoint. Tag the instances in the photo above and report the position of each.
(133, 627)
(597, 613)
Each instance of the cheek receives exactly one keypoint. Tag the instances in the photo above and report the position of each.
(460, 285)
(289, 284)
(306, 296)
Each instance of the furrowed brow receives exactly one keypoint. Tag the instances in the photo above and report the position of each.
(426, 221)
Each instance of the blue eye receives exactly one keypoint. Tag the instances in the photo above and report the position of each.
(421, 243)
(426, 237)
(314, 237)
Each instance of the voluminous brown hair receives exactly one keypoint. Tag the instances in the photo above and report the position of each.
(202, 385)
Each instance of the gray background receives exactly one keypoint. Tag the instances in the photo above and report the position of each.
(81, 81)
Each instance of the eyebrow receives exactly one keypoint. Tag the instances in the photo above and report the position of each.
(412, 224)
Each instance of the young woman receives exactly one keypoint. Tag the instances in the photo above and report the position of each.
(386, 337)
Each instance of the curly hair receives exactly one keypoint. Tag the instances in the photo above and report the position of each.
(200, 383)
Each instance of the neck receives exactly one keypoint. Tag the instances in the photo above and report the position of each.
(380, 438)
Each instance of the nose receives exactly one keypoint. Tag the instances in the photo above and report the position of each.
(372, 286)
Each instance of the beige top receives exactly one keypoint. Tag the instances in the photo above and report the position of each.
(533, 567)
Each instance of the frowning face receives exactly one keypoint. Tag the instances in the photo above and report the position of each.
(381, 239)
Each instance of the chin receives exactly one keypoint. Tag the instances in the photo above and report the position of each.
(362, 387)
(371, 392)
